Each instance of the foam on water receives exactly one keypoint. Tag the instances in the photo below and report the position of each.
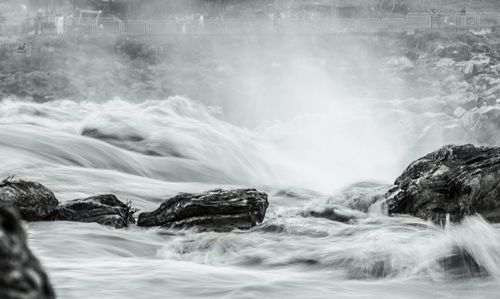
(289, 255)
(145, 152)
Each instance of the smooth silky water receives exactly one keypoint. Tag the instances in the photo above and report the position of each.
(324, 150)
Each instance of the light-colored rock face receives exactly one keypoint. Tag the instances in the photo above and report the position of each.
(454, 181)
(21, 275)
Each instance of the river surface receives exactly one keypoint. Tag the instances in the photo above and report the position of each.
(343, 155)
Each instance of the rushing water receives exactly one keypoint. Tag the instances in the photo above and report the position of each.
(310, 164)
(146, 152)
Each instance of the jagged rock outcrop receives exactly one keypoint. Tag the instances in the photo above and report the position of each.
(104, 209)
(454, 180)
(32, 200)
(217, 210)
(21, 275)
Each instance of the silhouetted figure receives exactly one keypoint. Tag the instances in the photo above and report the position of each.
(463, 11)
(21, 48)
(59, 22)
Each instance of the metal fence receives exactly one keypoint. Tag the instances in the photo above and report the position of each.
(10, 30)
(410, 22)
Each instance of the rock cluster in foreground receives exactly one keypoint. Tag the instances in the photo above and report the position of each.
(32, 200)
(35, 202)
(216, 210)
(104, 209)
(454, 180)
(21, 275)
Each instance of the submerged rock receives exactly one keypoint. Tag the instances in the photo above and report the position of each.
(455, 181)
(217, 210)
(460, 264)
(333, 214)
(103, 209)
(32, 200)
(21, 275)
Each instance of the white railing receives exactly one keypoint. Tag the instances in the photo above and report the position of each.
(411, 22)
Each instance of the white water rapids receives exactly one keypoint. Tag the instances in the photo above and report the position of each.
(149, 150)
(158, 148)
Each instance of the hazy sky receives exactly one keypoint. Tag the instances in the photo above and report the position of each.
(14, 10)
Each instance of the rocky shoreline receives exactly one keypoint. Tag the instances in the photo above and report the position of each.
(455, 181)
(446, 185)
(21, 275)
(217, 210)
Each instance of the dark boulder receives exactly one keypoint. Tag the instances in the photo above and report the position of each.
(454, 180)
(103, 209)
(32, 200)
(217, 210)
(21, 275)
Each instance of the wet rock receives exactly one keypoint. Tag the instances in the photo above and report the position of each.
(217, 210)
(479, 65)
(297, 194)
(457, 52)
(481, 48)
(32, 200)
(98, 134)
(460, 264)
(331, 214)
(103, 209)
(21, 275)
(42, 86)
(361, 197)
(374, 267)
(131, 139)
(454, 180)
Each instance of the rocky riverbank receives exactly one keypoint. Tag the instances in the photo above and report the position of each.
(460, 72)
(455, 71)
(216, 210)
(448, 184)
(121, 158)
